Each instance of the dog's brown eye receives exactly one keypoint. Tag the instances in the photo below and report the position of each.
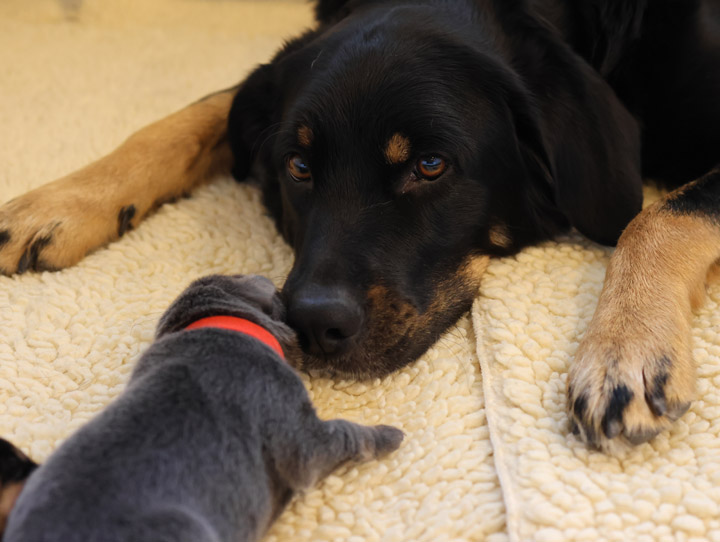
(298, 168)
(431, 167)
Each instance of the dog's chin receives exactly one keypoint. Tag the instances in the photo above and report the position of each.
(353, 366)
(363, 364)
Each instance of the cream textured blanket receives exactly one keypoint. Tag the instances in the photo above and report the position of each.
(76, 77)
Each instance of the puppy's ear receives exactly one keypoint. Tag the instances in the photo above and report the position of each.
(255, 104)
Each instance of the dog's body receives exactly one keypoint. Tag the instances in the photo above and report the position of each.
(400, 144)
(211, 438)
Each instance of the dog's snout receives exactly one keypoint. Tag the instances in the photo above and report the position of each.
(326, 319)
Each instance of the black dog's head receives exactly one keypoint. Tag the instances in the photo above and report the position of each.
(398, 150)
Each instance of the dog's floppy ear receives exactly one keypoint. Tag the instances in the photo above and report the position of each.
(594, 144)
(581, 140)
(250, 116)
(258, 104)
(331, 11)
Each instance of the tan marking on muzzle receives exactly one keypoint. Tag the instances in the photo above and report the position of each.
(397, 149)
(8, 495)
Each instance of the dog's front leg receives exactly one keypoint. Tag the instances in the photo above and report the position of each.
(633, 373)
(57, 224)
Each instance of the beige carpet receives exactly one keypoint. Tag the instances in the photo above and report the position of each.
(77, 77)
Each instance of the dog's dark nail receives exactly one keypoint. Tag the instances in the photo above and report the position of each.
(676, 411)
(655, 395)
(591, 437)
(24, 261)
(574, 429)
(655, 390)
(612, 420)
(612, 428)
(124, 217)
(640, 436)
(29, 258)
(579, 407)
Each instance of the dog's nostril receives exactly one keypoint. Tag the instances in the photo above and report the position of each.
(334, 334)
(327, 319)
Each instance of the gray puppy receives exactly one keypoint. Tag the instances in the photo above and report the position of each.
(211, 438)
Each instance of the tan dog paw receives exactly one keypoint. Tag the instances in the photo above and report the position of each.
(628, 386)
(56, 225)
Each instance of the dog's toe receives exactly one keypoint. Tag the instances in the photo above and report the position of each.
(615, 393)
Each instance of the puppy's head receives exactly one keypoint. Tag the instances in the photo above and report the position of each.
(251, 297)
(398, 150)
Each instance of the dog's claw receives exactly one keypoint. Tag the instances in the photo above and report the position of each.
(623, 405)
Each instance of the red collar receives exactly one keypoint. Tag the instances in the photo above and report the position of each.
(241, 325)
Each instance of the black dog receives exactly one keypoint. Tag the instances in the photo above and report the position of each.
(401, 143)
(211, 438)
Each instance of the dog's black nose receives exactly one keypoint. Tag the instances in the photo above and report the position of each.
(326, 318)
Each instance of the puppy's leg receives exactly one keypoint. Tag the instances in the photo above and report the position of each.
(57, 224)
(15, 467)
(337, 442)
(633, 373)
(346, 441)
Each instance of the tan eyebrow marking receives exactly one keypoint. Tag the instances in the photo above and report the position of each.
(305, 136)
(397, 149)
(500, 236)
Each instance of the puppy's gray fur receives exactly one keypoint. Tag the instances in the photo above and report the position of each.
(209, 441)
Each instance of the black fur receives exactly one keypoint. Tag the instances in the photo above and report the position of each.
(655, 394)
(15, 466)
(548, 112)
(125, 215)
(30, 258)
(611, 422)
(701, 197)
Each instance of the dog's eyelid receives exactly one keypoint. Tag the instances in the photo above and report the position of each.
(414, 182)
(298, 168)
(431, 166)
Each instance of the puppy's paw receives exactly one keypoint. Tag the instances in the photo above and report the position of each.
(382, 440)
(630, 384)
(55, 226)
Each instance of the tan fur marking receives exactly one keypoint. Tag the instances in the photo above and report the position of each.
(641, 328)
(162, 161)
(499, 236)
(395, 319)
(305, 136)
(8, 495)
(397, 149)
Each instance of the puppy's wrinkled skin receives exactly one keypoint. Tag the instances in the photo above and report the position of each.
(211, 438)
